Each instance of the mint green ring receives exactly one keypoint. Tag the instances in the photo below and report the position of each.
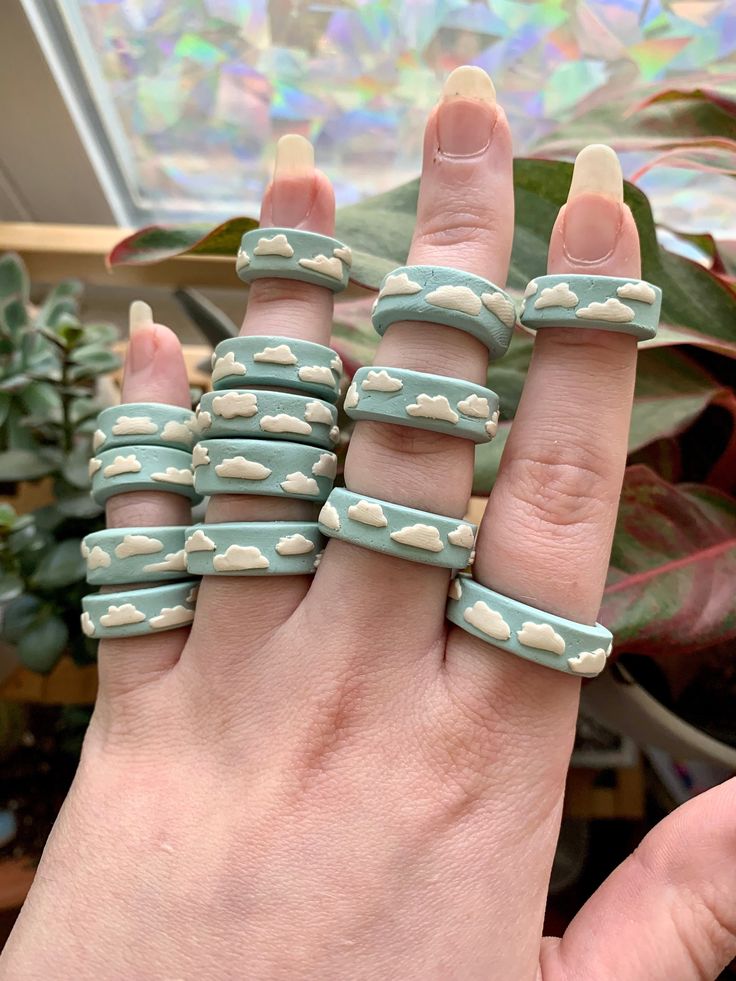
(259, 414)
(423, 401)
(290, 253)
(264, 466)
(420, 536)
(253, 548)
(141, 468)
(625, 306)
(277, 362)
(144, 424)
(119, 556)
(552, 641)
(136, 612)
(443, 295)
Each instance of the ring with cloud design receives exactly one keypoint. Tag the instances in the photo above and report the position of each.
(139, 468)
(278, 362)
(443, 295)
(119, 556)
(144, 424)
(552, 641)
(275, 468)
(254, 414)
(290, 253)
(406, 533)
(626, 306)
(423, 401)
(254, 548)
(136, 612)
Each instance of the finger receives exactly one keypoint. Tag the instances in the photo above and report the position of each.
(669, 911)
(298, 197)
(154, 372)
(464, 219)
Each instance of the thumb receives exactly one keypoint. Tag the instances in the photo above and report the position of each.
(668, 912)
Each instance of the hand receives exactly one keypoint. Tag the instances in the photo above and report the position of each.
(321, 780)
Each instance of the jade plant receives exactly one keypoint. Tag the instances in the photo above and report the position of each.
(50, 367)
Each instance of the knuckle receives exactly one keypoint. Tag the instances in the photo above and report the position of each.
(279, 303)
(139, 509)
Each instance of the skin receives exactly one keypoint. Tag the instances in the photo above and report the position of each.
(320, 780)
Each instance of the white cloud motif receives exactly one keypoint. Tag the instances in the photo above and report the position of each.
(294, 545)
(501, 307)
(84, 549)
(317, 560)
(235, 404)
(202, 421)
(381, 381)
(98, 438)
(368, 513)
(299, 483)
(463, 536)
(588, 662)
(331, 266)
(239, 557)
(172, 616)
(138, 545)
(432, 407)
(455, 589)
(175, 475)
(336, 364)
(93, 466)
(98, 558)
(559, 295)
(543, 636)
(123, 464)
(489, 621)
(120, 616)
(613, 311)
(426, 537)
(475, 407)
(637, 291)
(227, 365)
(335, 434)
(460, 298)
(351, 396)
(326, 466)
(88, 627)
(329, 517)
(281, 354)
(199, 542)
(344, 252)
(492, 425)
(399, 284)
(318, 412)
(242, 259)
(320, 374)
(238, 466)
(276, 245)
(193, 594)
(284, 423)
(173, 562)
(177, 432)
(200, 456)
(531, 289)
(134, 426)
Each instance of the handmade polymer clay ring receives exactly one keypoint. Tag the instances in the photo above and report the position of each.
(137, 468)
(442, 295)
(290, 253)
(269, 415)
(423, 401)
(118, 556)
(280, 362)
(135, 612)
(627, 306)
(552, 641)
(263, 466)
(146, 424)
(254, 548)
(396, 530)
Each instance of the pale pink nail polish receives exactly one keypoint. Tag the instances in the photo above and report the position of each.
(594, 209)
(141, 343)
(294, 188)
(467, 112)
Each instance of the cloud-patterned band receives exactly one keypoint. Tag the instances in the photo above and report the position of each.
(281, 362)
(552, 641)
(254, 548)
(275, 468)
(142, 468)
(144, 424)
(423, 401)
(139, 611)
(257, 414)
(442, 295)
(418, 536)
(627, 306)
(120, 556)
(289, 253)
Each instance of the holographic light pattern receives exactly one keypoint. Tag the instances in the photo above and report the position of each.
(194, 93)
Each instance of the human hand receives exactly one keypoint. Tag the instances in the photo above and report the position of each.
(320, 779)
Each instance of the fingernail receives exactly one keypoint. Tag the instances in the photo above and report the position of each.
(594, 208)
(467, 112)
(293, 184)
(141, 343)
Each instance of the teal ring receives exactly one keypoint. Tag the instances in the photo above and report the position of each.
(626, 306)
(552, 641)
(264, 466)
(254, 548)
(423, 401)
(426, 538)
(119, 556)
(144, 424)
(139, 468)
(443, 295)
(277, 362)
(136, 612)
(260, 414)
(291, 253)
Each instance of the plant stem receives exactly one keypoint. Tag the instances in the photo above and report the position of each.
(67, 429)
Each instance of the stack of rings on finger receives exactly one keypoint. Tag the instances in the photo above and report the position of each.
(254, 548)
(290, 253)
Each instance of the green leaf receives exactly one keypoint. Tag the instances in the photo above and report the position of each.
(213, 323)
(14, 315)
(61, 301)
(63, 566)
(42, 644)
(24, 465)
(13, 278)
(488, 459)
(41, 399)
(18, 616)
(75, 469)
(156, 243)
(10, 586)
(5, 401)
